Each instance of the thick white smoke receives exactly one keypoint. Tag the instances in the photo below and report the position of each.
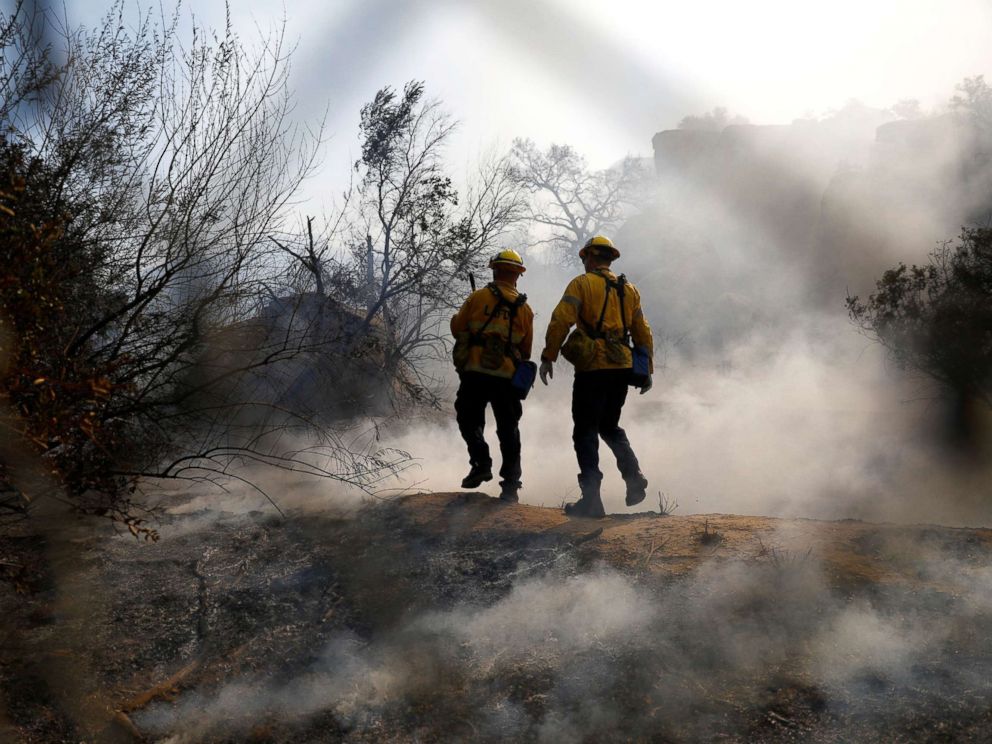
(807, 424)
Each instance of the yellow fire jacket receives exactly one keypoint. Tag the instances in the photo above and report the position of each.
(472, 317)
(582, 303)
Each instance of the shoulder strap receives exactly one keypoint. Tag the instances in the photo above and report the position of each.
(474, 337)
(602, 313)
(618, 287)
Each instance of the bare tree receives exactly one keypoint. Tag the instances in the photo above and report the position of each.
(26, 68)
(569, 202)
(161, 169)
(409, 240)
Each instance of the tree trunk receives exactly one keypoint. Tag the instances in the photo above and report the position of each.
(369, 276)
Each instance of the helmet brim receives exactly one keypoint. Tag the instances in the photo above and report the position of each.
(508, 265)
(600, 250)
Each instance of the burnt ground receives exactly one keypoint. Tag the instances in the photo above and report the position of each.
(454, 617)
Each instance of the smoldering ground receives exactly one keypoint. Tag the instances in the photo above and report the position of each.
(567, 656)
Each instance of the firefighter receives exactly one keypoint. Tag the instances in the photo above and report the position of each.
(606, 310)
(494, 332)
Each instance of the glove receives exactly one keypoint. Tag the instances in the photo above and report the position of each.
(647, 385)
(547, 370)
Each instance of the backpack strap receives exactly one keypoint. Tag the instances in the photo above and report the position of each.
(621, 283)
(517, 303)
(474, 339)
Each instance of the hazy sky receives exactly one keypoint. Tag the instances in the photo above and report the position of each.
(604, 76)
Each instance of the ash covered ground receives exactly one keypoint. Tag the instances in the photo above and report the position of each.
(455, 617)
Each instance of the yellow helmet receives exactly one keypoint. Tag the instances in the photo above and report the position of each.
(601, 245)
(508, 259)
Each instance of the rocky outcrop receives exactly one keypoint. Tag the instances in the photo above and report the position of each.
(777, 217)
(329, 364)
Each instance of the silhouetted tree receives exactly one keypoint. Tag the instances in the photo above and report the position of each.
(974, 100)
(141, 180)
(570, 203)
(410, 240)
(712, 121)
(907, 108)
(937, 318)
(973, 106)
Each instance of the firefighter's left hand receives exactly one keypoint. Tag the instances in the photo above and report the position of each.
(547, 370)
(647, 385)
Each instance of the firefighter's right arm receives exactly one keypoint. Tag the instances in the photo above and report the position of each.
(565, 315)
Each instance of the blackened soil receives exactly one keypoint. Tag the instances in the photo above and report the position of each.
(227, 606)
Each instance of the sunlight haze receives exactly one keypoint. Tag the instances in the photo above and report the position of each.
(605, 77)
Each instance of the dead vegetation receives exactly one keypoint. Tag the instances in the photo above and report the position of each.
(707, 537)
(666, 504)
(781, 557)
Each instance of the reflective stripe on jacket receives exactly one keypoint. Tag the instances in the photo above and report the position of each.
(473, 315)
(582, 303)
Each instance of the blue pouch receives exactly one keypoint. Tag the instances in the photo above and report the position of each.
(523, 379)
(641, 370)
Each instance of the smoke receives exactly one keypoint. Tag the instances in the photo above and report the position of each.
(210, 498)
(767, 399)
(858, 640)
(806, 424)
(564, 656)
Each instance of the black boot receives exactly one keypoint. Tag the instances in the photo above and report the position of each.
(637, 486)
(590, 505)
(478, 475)
(509, 492)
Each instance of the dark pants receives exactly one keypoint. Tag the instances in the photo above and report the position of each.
(475, 392)
(597, 399)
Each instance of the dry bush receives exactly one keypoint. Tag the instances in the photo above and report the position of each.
(141, 177)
